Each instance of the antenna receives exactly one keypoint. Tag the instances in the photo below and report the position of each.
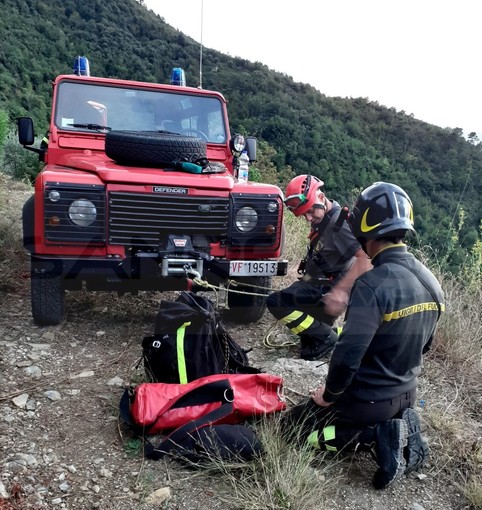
(201, 49)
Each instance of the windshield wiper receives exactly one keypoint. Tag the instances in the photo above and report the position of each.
(95, 127)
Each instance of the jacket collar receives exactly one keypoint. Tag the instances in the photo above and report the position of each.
(392, 251)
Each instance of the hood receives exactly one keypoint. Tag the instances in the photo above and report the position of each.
(109, 171)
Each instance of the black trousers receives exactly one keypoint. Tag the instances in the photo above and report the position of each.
(300, 308)
(349, 418)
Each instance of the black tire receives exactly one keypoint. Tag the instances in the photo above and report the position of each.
(153, 149)
(246, 308)
(47, 296)
(28, 223)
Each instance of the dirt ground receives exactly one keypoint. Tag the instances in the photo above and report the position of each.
(61, 445)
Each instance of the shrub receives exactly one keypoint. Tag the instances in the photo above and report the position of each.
(13, 258)
(18, 162)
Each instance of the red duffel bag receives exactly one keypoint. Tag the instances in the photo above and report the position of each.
(227, 398)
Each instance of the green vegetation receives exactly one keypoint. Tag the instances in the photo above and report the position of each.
(285, 477)
(349, 143)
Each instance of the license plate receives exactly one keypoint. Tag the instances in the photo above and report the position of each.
(253, 268)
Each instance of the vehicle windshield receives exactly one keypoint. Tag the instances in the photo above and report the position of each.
(89, 107)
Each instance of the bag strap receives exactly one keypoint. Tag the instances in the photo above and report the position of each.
(171, 442)
(218, 391)
(423, 282)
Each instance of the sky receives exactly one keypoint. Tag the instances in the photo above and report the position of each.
(418, 56)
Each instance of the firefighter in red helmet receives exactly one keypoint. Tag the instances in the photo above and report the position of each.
(310, 306)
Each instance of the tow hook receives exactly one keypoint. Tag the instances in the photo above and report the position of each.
(191, 273)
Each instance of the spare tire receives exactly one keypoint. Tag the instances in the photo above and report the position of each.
(151, 148)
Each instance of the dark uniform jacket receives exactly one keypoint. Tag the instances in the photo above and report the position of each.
(390, 322)
(330, 253)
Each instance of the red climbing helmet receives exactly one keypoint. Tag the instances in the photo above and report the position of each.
(301, 193)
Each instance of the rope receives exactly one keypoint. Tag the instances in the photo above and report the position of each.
(234, 283)
(267, 343)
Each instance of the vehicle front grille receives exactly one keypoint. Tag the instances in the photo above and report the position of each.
(142, 219)
(267, 231)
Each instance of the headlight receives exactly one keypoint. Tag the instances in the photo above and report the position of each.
(82, 212)
(238, 143)
(246, 219)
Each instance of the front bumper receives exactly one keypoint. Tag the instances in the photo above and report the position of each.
(148, 271)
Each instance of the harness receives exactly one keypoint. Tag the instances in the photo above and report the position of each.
(313, 237)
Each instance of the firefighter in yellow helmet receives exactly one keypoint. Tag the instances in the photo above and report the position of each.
(370, 390)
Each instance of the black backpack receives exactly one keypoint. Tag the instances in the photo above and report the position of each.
(190, 342)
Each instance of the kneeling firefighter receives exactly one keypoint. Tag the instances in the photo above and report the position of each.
(371, 385)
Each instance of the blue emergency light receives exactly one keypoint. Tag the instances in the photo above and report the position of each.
(178, 77)
(81, 66)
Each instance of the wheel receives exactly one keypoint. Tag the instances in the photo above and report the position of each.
(150, 148)
(47, 296)
(195, 133)
(28, 224)
(247, 308)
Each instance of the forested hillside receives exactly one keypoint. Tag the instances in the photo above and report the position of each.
(349, 143)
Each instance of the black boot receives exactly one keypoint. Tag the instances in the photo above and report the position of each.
(391, 439)
(316, 347)
(416, 452)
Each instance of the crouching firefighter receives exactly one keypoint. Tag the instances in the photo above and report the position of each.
(371, 385)
(310, 306)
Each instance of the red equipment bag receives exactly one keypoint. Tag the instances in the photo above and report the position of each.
(226, 398)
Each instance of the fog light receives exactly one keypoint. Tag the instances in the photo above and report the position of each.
(54, 195)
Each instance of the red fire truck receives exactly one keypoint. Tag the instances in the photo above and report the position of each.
(139, 191)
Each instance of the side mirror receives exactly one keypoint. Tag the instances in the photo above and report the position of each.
(251, 146)
(26, 134)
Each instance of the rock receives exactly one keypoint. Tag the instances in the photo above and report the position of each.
(20, 400)
(29, 459)
(24, 363)
(53, 395)
(33, 371)
(159, 496)
(3, 491)
(41, 347)
(85, 373)
(64, 487)
(115, 381)
(421, 476)
(417, 506)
